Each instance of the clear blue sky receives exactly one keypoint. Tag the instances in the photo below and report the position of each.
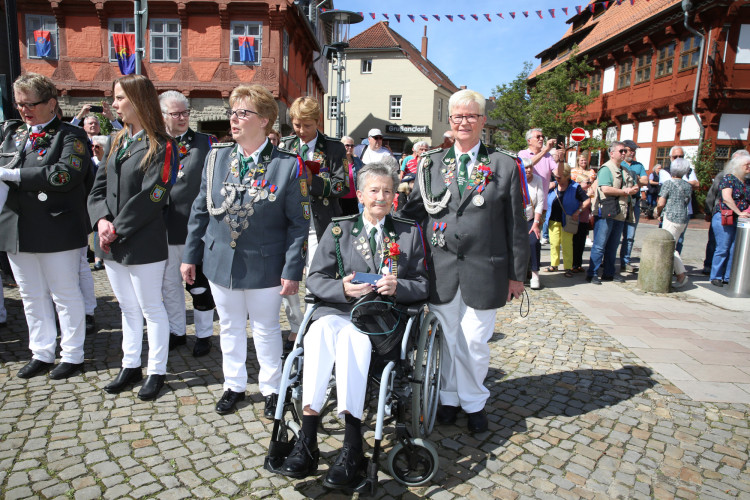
(478, 54)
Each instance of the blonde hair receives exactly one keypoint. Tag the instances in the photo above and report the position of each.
(566, 170)
(305, 108)
(142, 95)
(466, 97)
(263, 101)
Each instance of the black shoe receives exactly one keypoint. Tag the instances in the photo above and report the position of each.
(201, 347)
(344, 473)
(176, 340)
(151, 387)
(90, 324)
(288, 345)
(477, 421)
(98, 266)
(718, 283)
(126, 377)
(270, 409)
(446, 415)
(303, 459)
(65, 370)
(228, 401)
(706, 271)
(618, 279)
(33, 368)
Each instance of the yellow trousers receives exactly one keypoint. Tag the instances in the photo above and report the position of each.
(557, 238)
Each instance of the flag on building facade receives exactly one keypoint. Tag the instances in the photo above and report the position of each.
(43, 41)
(124, 44)
(247, 48)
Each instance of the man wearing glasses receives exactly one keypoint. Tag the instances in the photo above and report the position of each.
(615, 182)
(470, 202)
(192, 149)
(373, 151)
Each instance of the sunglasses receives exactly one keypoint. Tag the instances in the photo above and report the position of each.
(678, 156)
(348, 145)
(377, 137)
(624, 151)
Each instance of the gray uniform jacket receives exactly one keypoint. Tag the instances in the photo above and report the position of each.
(134, 201)
(46, 211)
(192, 151)
(486, 241)
(332, 181)
(273, 244)
(325, 274)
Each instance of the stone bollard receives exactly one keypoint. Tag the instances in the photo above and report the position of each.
(655, 273)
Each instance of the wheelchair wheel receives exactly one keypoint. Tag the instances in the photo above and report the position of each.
(414, 464)
(426, 392)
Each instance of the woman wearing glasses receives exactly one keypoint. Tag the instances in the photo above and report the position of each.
(127, 206)
(248, 227)
(43, 227)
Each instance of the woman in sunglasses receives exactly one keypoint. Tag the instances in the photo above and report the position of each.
(248, 227)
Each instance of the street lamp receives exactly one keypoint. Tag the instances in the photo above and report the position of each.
(340, 20)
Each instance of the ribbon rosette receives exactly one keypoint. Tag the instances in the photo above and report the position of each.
(182, 149)
(394, 250)
(485, 172)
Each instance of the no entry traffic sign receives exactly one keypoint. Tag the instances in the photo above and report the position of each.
(578, 134)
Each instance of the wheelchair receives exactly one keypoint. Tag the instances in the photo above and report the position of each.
(408, 387)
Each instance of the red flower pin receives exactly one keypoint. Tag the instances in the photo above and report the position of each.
(394, 250)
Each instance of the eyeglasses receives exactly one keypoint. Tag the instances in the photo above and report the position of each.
(457, 119)
(242, 114)
(678, 156)
(624, 151)
(348, 145)
(30, 105)
(178, 114)
(377, 137)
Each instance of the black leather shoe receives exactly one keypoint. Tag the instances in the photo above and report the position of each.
(344, 473)
(270, 409)
(288, 345)
(302, 461)
(176, 340)
(228, 401)
(98, 265)
(594, 280)
(477, 421)
(90, 324)
(65, 370)
(202, 347)
(718, 283)
(33, 368)
(123, 379)
(618, 279)
(446, 415)
(151, 387)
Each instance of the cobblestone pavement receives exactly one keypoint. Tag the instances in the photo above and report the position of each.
(573, 414)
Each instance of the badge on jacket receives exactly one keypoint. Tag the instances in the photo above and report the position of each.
(157, 193)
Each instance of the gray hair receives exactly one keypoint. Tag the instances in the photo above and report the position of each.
(376, 169)
(531, 131)
(91, 117)
(347, 137)
(41, 86)
(100, 140)
(466, 97)
(671, 150)
(390, 161)
(172, 95)
(736, 167)
(679, 167)
(614, 145)
(418, 144)
(740, 152)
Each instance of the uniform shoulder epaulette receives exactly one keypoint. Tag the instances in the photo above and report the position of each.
(282, 149)
(404, 220)
(222, 144)
(431, 152)
(9, 123)
(506, 152)
(284, 139)
(344, 217)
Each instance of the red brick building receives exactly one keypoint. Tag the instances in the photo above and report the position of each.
(191, 46)
(645, 63)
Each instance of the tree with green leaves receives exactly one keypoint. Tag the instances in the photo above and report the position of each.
(512, 111)
(704, 163)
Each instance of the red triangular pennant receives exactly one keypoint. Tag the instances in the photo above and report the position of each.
(488, 17)
(551, 13)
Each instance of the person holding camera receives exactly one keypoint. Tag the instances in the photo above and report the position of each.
(104, 109)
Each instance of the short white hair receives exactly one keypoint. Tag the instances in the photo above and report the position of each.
(172, 95)
(466, 97)
(100, 140)
(347, 137)
(418, 145)
(531, 131)
(671, 150)
(679, 167)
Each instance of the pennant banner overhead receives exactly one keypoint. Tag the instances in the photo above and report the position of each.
(411, 17)
(43, 41)
(476, 17)
(488, 17)
(398, 18)
(124, 44)
(247, 48)
(450, 18)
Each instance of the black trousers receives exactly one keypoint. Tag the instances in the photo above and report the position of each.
(579, 244)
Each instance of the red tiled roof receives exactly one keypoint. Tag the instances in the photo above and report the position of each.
(382, 36)
(614, 21)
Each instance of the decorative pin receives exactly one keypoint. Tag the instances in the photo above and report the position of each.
(441, 235)
(42, 196)
(478, 200)
(325, 202)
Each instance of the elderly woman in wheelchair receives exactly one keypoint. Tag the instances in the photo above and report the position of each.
(352, 250)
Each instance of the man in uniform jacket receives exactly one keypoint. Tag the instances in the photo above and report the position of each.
(470, 200)
(192, 149)
(43, 225)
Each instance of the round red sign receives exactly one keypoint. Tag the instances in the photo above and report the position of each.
(578, 134)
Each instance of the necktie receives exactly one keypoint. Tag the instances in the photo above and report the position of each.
(305, 149)
(124, 147)
(463, 173)
(245, 163)
(373, 241)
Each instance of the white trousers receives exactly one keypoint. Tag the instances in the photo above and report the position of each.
(87, 283)
(138, 290)
(293, 311)
(465, 353)
(676, 231)
(262, 306)
(173, 292)
(312, 243)
(334, 340)
(39, 276)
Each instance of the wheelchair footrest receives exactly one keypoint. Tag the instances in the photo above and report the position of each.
(277, 453)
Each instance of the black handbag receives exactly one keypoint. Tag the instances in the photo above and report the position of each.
(609, 207)
(380, 318)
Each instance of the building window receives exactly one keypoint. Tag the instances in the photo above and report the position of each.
(333, 107)
(366, 65)
(689, 52)
(440, 110)
(723, 154)
(596, 82)
(583, 85)
(119, 26)
(664, 60)
(285, 50)
(165, 40)
(625, 70)
(395, 113)
(662, 156)
(250, 32)
(643, 68)
(41, 23)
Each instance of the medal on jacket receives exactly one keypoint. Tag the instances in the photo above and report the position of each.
(438, 234)
(42, 196)
(478, 200)
(180, 173)
(272, 189)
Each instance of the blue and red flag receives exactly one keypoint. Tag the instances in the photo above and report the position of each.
(124, 44)
(410, 17)
(488, 17)
(398, 17)
(247, 48)
(43, 41)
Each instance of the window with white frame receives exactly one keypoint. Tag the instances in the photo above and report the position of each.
(126, 25)
(165, 40)
(333, 107)
(41, 23)
(395, 113)
(366, 65)
(241, 29)
(285, 50)
(440, 110)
